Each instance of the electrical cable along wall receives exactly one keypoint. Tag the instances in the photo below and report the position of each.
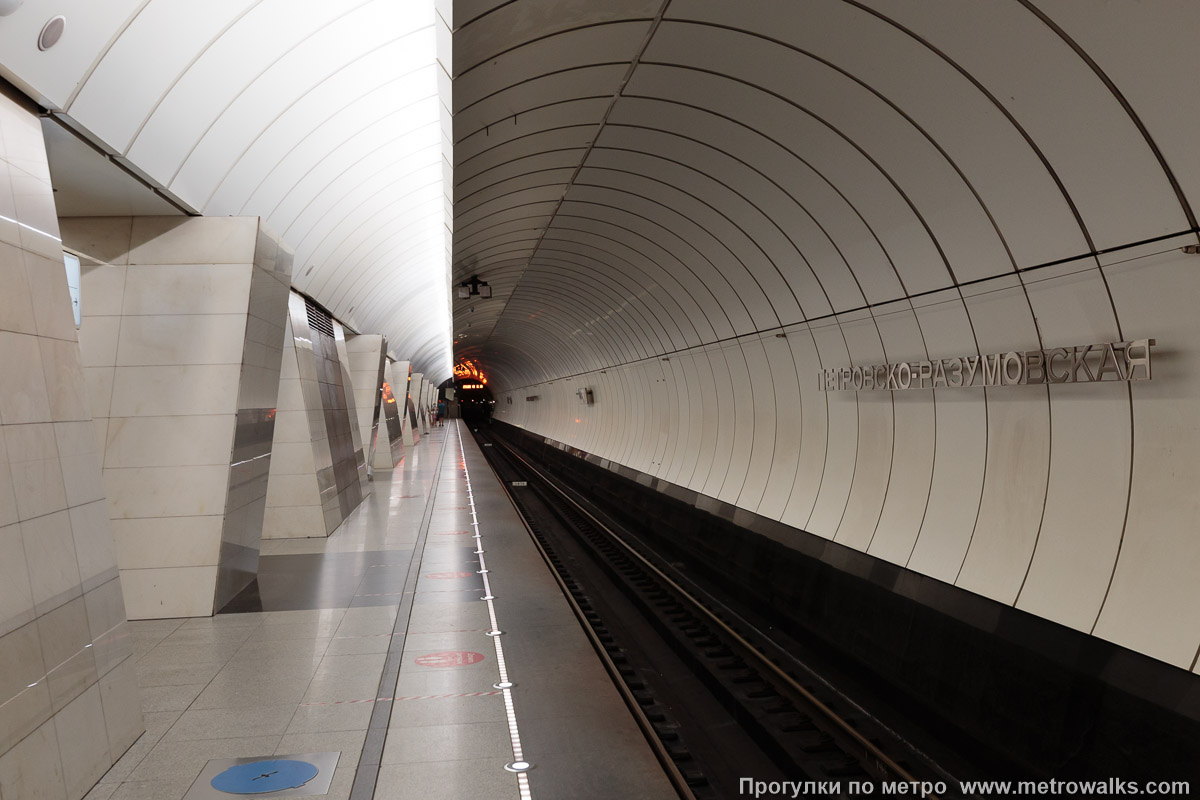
(696, 209)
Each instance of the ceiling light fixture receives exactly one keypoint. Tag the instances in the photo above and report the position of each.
(474, 288)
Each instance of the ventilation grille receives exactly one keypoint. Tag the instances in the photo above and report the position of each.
(318, 319)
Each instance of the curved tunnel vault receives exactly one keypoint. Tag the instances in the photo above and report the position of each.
(692, 206)
(322, 118)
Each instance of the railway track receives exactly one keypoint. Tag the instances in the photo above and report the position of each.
(718, 698)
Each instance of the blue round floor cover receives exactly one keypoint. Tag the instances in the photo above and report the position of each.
(264, 776)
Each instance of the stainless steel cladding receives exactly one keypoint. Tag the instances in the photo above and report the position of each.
(258, 391)
(1088, 363)
(335, 457)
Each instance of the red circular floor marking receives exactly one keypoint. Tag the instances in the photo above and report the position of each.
(446, 575)
(454, 658)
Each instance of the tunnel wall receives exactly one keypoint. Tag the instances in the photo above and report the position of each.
(656, 192)
(1072, 502)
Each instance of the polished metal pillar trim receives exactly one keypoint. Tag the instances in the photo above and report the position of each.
(254, 427)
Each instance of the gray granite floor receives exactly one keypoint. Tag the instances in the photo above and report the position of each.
(302, 680)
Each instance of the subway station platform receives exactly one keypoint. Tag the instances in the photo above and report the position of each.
(374, 644)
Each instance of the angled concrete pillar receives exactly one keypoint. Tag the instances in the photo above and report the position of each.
(389, 440)
(402, 388)
(344, 401)
(368, 365)
(318, 472)
(417, 392)
(182, 333)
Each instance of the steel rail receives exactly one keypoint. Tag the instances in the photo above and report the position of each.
(678, 781)
(870, 753)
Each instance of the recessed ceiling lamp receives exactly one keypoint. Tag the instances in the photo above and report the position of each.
(9, 6)
(52, 31)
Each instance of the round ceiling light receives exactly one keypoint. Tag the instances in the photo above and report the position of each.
(52, 31)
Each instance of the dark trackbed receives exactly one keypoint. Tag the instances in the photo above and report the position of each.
(719, 699)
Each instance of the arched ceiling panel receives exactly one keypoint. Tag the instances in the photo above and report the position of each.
(654, 267)
(54, 80)
(734, 152)
(1004, 170)
(657, 328)
(879, 197)
(1070, 114)
(324, 118)
(311, 187)
(774, 221)
(365, 97)
(117, 107)
(695, 236)
(743, 238)
(244, 66)
(748, 167)
(558, 126)
(503, 109)
(779, 74)
(557, 56)
(1141, 79)
(508, 25)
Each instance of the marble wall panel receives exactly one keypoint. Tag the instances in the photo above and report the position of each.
(63, 635)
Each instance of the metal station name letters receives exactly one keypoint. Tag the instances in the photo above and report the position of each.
(1087, 363)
